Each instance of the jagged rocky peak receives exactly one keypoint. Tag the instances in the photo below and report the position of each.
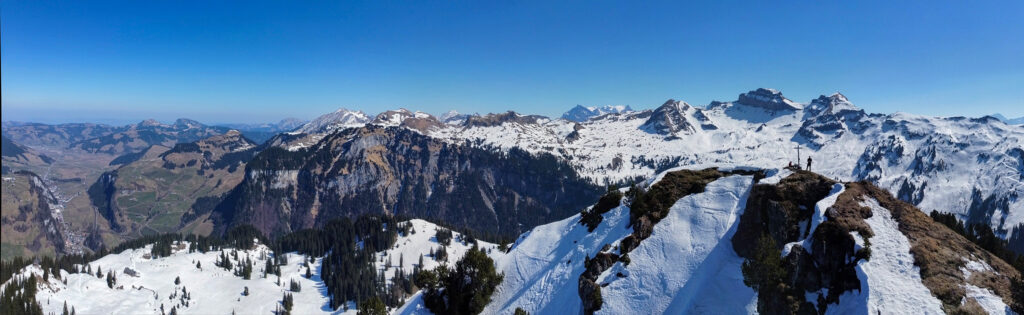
(491, 120)
(832, 104)
(581, 113)
(670, 118)
(339, 119)
(769, 99)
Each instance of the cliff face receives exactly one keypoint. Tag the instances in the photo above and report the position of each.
(31, 217)
(399, 171)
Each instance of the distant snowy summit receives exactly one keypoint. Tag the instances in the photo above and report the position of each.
(581, 113)
(339, 119)
(1009, 121)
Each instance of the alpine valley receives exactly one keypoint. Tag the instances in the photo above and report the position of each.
(757, 205)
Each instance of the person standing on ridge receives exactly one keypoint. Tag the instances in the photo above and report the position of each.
(808, 163)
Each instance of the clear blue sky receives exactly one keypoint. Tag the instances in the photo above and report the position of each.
(254, 61)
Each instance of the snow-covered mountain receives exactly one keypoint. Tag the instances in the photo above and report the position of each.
(581, 113)
(339, 119)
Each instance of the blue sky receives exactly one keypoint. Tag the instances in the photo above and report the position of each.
(252, 61)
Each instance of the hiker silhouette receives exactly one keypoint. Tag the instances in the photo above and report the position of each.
(808, 163)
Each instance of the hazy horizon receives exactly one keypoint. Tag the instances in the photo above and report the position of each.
(170, 117)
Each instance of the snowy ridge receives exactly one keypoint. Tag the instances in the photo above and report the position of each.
(339, 119)
(889, 280)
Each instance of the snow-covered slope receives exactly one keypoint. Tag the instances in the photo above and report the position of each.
(211, 289)
(544, 265)
(214, 290)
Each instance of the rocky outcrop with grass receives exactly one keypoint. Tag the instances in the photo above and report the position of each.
(823, 262)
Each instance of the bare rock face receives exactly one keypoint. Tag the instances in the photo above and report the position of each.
(396, 170)
(491, 120)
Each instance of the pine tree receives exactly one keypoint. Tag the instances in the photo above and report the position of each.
(309, 275)
(287, 302)
(372, 306)
(110, 279)
(199, 265)
(177, 280)
(764, 268)
(66, 309)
